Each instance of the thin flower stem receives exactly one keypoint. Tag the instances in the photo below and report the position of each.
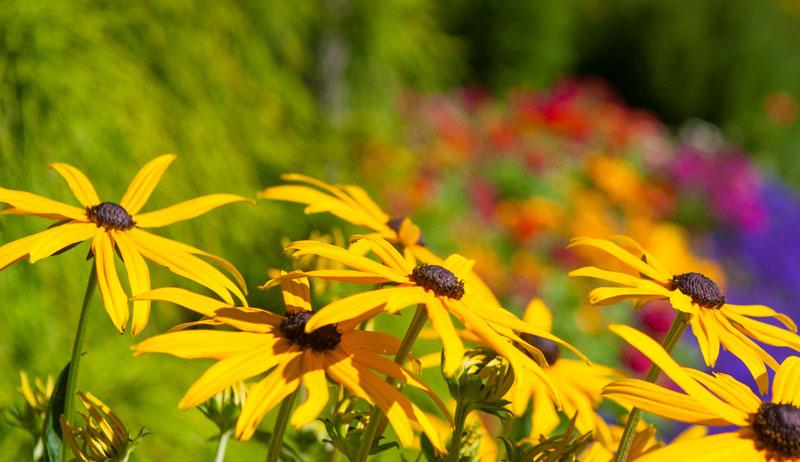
(673, 335)
(222, 445)
(377, 420)
(276, 441)
(77, 352)
(455, 440)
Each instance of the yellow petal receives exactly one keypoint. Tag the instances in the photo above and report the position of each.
(350, 307)
(729, 389)
(699, 331)
(786, 386)
(114, 298)
(60, 237)
(80, 185)
(186, 210)
(387, 253)
(605, 275)
(377, 342)
(761, 311)
(407, 296)
(213, 344)
(16, 250)
(144, 183)
(661, 401)
(752, 355)
(345, 257)
(296, 294)
(451, 343)
(316, 386)
(235, 369)
(612, 295)
(724, 447)
(538, 315)
(249, 319)
(545, 417)
(662, 359)
(623, 256)
(266, 394)
(138, 278)
(458, 265)
(766, 333)
(206, 306)
(37, 205)
(164, 252)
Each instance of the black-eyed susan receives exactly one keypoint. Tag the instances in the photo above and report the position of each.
(644, 441)
(282, 347)
(580, 384)
(714, 322)
(768, 430)
(353, 205)
(121, 226)
(442, 290)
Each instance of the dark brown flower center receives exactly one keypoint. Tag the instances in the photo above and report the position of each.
(549, 348)
(110, 216)
(439, 280)
(395, 223)
(703, 290)
(777, 429)
(293, 328)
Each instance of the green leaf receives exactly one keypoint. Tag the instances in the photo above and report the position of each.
(51, 435)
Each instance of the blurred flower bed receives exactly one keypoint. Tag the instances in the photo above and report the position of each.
(509, 181)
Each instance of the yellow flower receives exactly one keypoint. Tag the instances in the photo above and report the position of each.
(768, 430)
(353, 205)
(580, 384)
(644, 441)
(104, 436)
(120, 226)
(441, 289)
(713, 321)
(282, 347)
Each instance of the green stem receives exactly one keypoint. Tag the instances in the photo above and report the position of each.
(377, 420)
(455, 440)
(276, 441)
(77, 352)
(674, 334)
(222, 445)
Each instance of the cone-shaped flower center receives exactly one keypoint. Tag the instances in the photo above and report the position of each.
(293, 328)
(549, 348)
(110, 216)
(439, 280)
(395, 224)
(703, 290)
(777, 429)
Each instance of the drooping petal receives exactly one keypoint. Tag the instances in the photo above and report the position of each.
(60, 237)
(114, 298)
(699, 331)
(765, 333)
(786, 386)
(186, 210)
(387, 253)
(138, 278)
(37, 205)
(80, 186)
(753, 356)
(612, 295)
(267, 393)
(163, 252)
(671, 369)
(661, 401)
(316, 386)
(761, 311)
(723, 447)
(211, 344)
(144, 183)
(538, 315)
(235, 369)
(451, 343)
(605, 275)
